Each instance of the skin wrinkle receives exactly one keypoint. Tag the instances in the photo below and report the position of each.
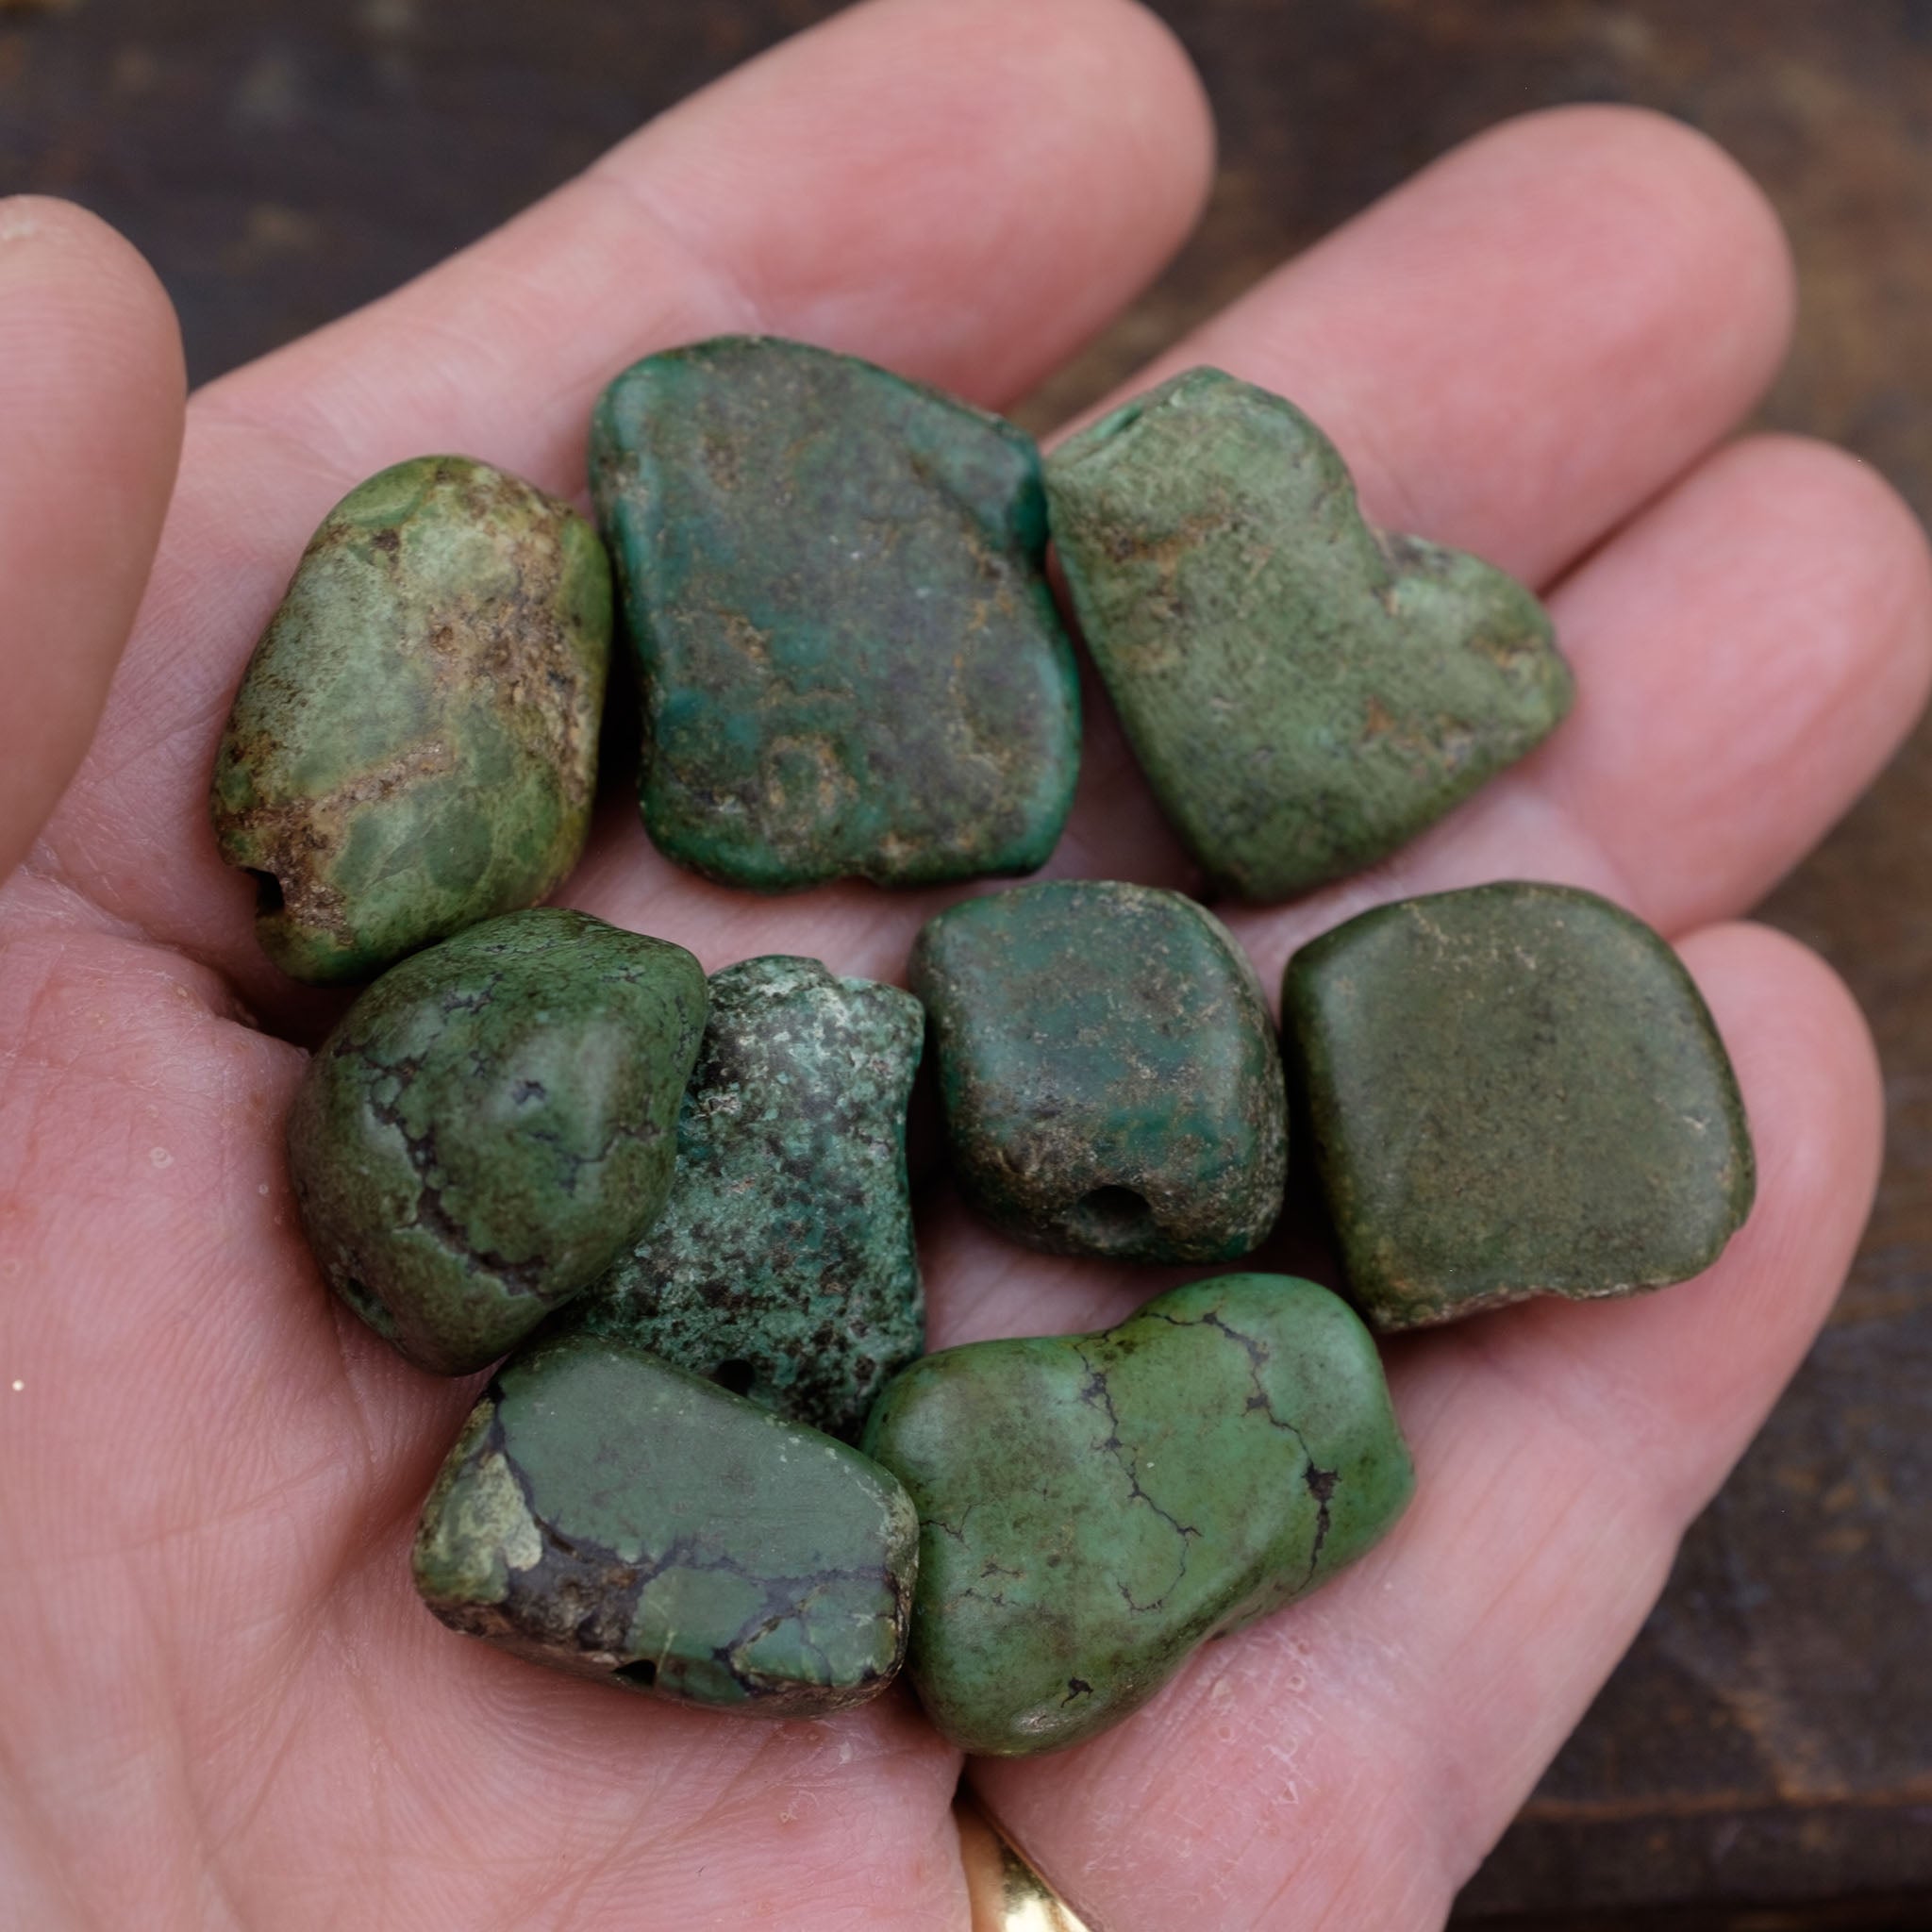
(25, 1798)
(728, 303)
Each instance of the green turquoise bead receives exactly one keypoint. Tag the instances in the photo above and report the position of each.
(491, 1125)
(1304, 693)
(1109, 1073)
(1095, 1508)
(1515, 1089)
(850, 663)
(613, 1516)
(415, 744)
(783, 1264)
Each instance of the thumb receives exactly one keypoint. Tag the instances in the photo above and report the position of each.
(91, 396)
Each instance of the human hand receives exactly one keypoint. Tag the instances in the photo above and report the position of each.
(223, 1704)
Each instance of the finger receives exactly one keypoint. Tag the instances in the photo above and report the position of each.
(1515, 350)
(1350, 1761)
(963, 189)
(1752, 651)
(91, 392)
(1749, 652)
(1521, 428)
(1526, 341)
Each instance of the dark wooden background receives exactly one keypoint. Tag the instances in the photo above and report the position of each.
(1763, 1759)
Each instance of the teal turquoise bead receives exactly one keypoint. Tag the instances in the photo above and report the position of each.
(613, 1516)
(1304, 693)
(849, 661)
(491, 1125)
(415, 744)
(783, 1263)
(1095, 1508)
(1514, 1089)
(1108, 1071)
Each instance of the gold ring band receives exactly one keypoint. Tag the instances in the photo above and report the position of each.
(1005, 1892)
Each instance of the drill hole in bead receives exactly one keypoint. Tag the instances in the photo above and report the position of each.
(735, 1375)
(268, 892)
(643, 1673)
(1110, 1219)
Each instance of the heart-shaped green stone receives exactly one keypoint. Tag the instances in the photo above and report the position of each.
(1094, 1507)
(1303, 693)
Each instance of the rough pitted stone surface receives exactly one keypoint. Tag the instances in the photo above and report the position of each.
(611, 1515)
(783, 1263)
(1514, 1089)
(1304, 693)
(850, 662)
(414, 745)
(1109, 1068)
(491, 1125)
(1094, 1507)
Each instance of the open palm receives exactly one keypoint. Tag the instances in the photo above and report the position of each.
(223, 1706)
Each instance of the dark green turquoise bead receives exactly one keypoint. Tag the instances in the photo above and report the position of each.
(850, 663)
(1095, 1508)
(1515, 1089)
(491, 1125)
(613, 1516)
(415, 744)
(783, 1263)
(1109, 1068)
(1303, 693)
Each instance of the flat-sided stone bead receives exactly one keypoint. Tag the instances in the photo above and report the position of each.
(415, 744)
(1109, 1068)
(611, 1515)
(850, 662)
(1303, 693)
(491, 1125)
(1514, 1090)
(783, 1264)
(1094, 1507)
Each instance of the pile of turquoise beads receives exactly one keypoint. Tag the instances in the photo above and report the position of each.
(712, 1462)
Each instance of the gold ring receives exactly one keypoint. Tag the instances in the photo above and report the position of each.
(1005, 1892)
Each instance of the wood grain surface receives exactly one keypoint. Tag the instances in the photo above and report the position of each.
(1763, 1759)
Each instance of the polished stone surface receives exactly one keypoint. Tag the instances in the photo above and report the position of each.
(1095, 1508)
(491, 1125)
(849, 661)
(1514, 1089)
(613, 1516)
(415, 744)
(783, 1264)
(1108, 1071)
(1304, 693)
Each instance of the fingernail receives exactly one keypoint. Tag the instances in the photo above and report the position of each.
(17, 218)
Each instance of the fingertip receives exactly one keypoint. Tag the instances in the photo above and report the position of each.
(1750, 650)
(76, 268)
(92, 391)
(94, 384)
(1704, 217)
(1872, 553)
(1010, 175)
(1150, 90)
(1814, 1094)
(1528, 339)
